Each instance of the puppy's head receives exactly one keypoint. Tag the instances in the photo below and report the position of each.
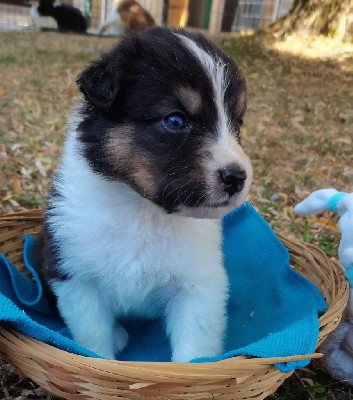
(163, 113)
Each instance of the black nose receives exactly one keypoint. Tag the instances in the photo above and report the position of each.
(233, 179)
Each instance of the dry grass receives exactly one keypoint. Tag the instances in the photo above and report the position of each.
(298, 132)
(299, 127)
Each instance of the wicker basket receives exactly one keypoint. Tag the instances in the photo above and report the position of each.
(76, 377)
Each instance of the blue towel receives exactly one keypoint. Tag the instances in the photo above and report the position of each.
(272, 311)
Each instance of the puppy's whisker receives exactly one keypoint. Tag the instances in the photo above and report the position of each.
(167, 174)
(181, 193)
(191, 194)
(170, 183)
(201, 199)
(205, 194)
(173, 182)
(178, 188)
(182, 143)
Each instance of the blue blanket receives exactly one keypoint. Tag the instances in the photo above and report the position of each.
(272, 311)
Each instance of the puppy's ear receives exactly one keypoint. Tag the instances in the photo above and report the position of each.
(99, 83)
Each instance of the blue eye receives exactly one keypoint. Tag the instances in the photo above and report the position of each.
(175, 122)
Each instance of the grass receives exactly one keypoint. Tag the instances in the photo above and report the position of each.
(7, 59)
(311, 385)
(294, 133)
(28, 200)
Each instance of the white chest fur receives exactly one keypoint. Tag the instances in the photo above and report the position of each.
(127, 256)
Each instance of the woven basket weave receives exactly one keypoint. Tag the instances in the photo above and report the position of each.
(76, 377)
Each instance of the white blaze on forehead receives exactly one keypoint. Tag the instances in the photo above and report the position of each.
(216, 70)
(225, 150)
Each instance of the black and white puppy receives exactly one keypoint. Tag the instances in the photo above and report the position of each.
(152, 160)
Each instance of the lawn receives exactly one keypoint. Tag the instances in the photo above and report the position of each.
(298, 132)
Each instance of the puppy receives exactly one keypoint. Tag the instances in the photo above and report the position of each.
(126, 16)
(152, 160)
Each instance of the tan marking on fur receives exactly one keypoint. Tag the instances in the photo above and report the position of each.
(134, 15)
(190, 98)
(119, 147)
(144, 176)
(124, 157)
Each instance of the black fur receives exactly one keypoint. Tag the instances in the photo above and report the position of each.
(134, 86)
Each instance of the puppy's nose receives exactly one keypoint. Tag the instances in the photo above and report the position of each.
(233, 179)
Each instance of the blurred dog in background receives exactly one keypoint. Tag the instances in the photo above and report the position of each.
(126, 16)
(48, 14)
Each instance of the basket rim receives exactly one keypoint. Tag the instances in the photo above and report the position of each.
(137, 371)
(164, 368)
(55, 352)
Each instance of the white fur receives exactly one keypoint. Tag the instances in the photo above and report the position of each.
(127, 256)
(216, 71)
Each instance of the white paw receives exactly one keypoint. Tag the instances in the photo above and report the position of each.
(105, 354)
(187, 354)
(121, 337)
(178, 357)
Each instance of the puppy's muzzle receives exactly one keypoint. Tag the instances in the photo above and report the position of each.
(232, 179)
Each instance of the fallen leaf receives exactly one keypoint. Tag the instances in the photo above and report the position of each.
(16, 184)
(343, 140)
(14, 203)
(327, 223)
(25, 172)
(27, 392)
(347, 171)
(3, 93)
(7, 197)
(40, 167)
(15, 147)
(309, 381)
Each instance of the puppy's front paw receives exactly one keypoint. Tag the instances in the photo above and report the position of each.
(188, 352)
(121, 337)
(181, 356)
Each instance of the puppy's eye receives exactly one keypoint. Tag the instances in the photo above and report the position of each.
(175, 122)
